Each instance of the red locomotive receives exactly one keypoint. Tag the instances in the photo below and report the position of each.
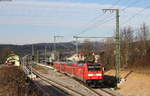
(90, 73)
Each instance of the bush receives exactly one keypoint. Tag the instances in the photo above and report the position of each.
(14, 82)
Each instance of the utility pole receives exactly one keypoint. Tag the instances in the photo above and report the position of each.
(37, 57)
(23, 63)
(54, 43)
(55, 38)
(32, 49)
(117, 40)
(45, 53)
(32, 59)
(77, 50)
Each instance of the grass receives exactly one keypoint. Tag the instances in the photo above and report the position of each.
(142, 70)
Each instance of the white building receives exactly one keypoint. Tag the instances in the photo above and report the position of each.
(79, 57)
(76, 57)
(13, 59)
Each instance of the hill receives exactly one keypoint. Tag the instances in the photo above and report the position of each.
(26, 49)
(22, 50)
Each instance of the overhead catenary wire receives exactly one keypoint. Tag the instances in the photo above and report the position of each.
(135, 2)
(124, 9)
(79, 33)
(133, 16)
(103, 20)
(103, 14)
(93, 26)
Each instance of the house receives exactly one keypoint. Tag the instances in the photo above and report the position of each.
(13, 59)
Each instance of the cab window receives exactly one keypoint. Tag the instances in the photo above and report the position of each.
(94, 67)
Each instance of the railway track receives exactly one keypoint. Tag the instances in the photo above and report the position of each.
(97, 92)
(50, 90)
(105, 92)
(42, 89)
(73, 92)
(45, 87)
(58, 85)
(101, 92)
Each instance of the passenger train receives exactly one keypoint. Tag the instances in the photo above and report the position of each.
(88, 72)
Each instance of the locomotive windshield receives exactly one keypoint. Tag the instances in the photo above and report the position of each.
(94, 67)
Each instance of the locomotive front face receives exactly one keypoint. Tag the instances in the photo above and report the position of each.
(94, 72)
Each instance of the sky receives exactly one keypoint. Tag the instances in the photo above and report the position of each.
(37, 21)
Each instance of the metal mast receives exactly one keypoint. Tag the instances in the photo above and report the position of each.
(55, 37)
(37, 57)
(117, 40)
(45, 53)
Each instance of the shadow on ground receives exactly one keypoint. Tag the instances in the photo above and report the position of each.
(54, 91)
(108, 82)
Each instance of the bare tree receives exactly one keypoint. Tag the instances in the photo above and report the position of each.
(144, 33)
(109, 58)
(4, 53)
(135, 45)
(126, 46)
(87, 49)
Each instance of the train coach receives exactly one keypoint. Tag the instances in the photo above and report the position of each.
(90, 73)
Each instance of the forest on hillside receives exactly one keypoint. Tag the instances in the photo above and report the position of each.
(135, 47)
(22, 50)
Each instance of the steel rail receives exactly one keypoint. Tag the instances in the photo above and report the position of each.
(56, 84)
(90, 89)
(87, 87)
(107, 92)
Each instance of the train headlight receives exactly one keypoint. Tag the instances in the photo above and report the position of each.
(94, 74)
(98, 74)
(90, 74)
